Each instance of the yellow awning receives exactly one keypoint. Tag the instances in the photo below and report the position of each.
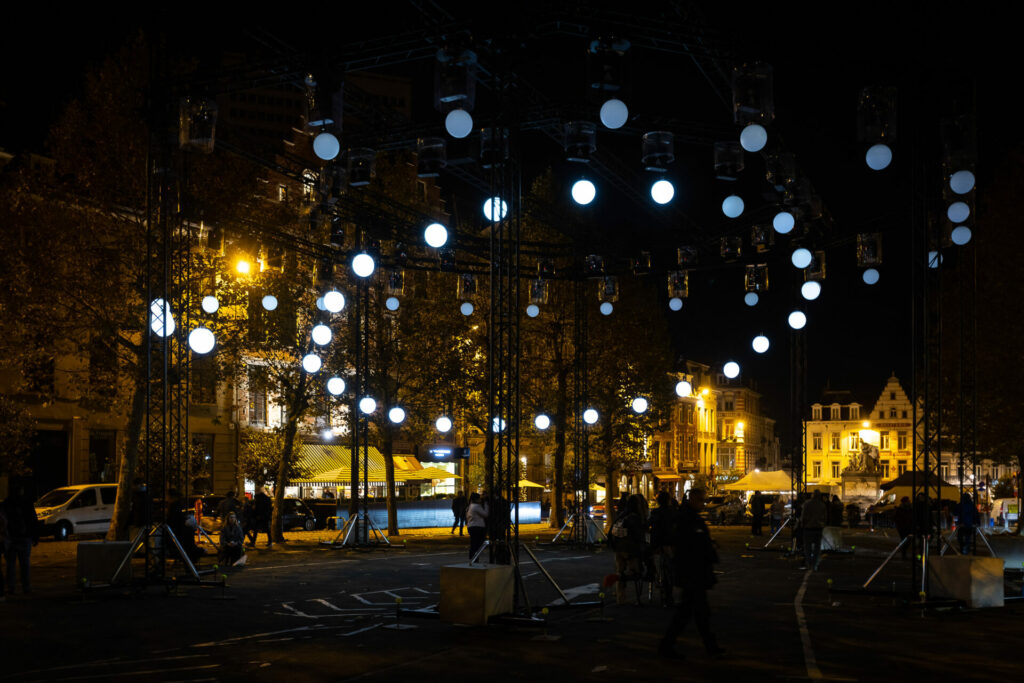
(526, 483)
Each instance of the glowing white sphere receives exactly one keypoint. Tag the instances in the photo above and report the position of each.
(269, 302)
(363, 265)
(466, 308)
(495, 209)
(533, 310)
(321, 334)
(878, 157)
(760, 343)
(161, 320)
(334, 301)
(336, 386)
(367, 405)
(639, 404)
(392, 303)
(327, 434)
(443, 424)
(606, 308)
(210, 304)
(750, 298)
(961, 235)
(311, 363)
(753, 138)
(675, 304)
(783, 222)
(458, 123)
(958, 212)
(435, 235)
(590, 416)
(396, 415)
(802, 258)
(934, 259)
(810, 290)
(732, 206)
(583, 192)
(662, 191)
(614, 113)
(200, 340)
(542, 422)
(498, 425)
(870, 276)
(797, 320)
(326, 146)
(320, 303)
(961, 182)
(731, 369)
(683, 388)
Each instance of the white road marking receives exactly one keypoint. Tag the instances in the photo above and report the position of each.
(813, 672)
(254, 635)
(108, 675)
(576, 591)
(106, 662)
(361, 630)
(328, 604)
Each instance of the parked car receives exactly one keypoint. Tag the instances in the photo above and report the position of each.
(297, 515)
(597, 511)
(723, 509)
(83, 509)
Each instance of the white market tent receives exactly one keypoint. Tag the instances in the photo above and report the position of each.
(762, 481)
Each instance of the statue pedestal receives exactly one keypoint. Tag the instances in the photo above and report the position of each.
(860, 488)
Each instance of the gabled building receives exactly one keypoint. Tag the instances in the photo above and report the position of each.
(746, 437)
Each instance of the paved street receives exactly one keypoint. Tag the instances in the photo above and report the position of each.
(304, 612)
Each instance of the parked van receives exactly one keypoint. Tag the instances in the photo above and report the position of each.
(84, 509)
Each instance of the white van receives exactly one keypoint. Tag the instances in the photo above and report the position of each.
(84, 509)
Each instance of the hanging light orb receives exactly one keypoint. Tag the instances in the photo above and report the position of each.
(753, 138)
(542, 422)
(662, 191)
(435, 235)
(731, 369)
(396, 415)
(498, 425)
(961, 235)
(392, 303)
(311, 363)
(797, 320)
(210, 304)
(760, 343)
(243, 267)
(639, 405)
(958, 212)
(443, 424)
(320, 304)
(590, 416)
(606, 308)
(321, 334)
(878, 157)
(363, 264)
(683, 389)
(750, 298)
(200, 340)
(870, 276)
(675, 304)
(810, 290)
(783, 222)
(326, 146)
(614, 113)
(269, 302)
(161, 320)
(367, 405)
(334, 301)
(327, 434)
(732, 206)
(533, 310)
(934, 259)
(961, 182)
(458, 123)
(466, 308)
(583, 192)
(336, 386)
(802, 258)
(495, 209)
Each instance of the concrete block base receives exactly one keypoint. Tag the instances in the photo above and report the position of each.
(471, 593)
(98, 560)
(976, 580)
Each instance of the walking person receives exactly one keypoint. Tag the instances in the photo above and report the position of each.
(476, 522)
(627, 540)
(756, 513)
(903, 519)
(263, 510)
(967, 521)
(813, 518)
(22, 536)
(660, 549)
(459, 511)
(694, 557)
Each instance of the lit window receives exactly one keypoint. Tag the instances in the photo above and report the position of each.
(883, 438)
(885, 469)
(854, 412)
(854, 441)
(835, 470)
(901, 466)
(835, 413)
(901, 441)
(816, 413)
(892, 412)
(836, 438)
(816, 441)
(816, 469)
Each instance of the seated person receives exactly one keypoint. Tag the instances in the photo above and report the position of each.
(231, 539)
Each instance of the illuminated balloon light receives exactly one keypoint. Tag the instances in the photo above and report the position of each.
(878, 157)
(533, 310)
(870, 276)
(161, 320)
(683, 389)
(363, 265)
(639, 405)
(583, 192)
(760, 343)
(334, 301)
(336, 386)
(542, 422)
(311, 363)
(210, 304)
(810, 290)
(934, 259)
(495, 209)
(200, 340)
(321, 335)
(731, 369)
(435, 235)
(269, 302)
(320, 303)
(961, 235)
(392, 303)
(606, 308)
(498, 425)
(958, 212)
(466, 308)
(614, 113)
(443, 424)
(327, 434)
(367, 405)
(961, 182)
(732, 206)
(326, 146)
(753, 138)
(784, 222)
(675, 304)
(751, 298)
(797, 320)
(662, 192)
(590, 416)
(458, 123)
(396, 415)
(802, 258)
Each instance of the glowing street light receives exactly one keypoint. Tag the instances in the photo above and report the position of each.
(542, 422)
(639, 405)
(443, 424)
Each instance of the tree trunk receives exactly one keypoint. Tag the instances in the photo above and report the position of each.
(557, 515)
(291, 427)
(611, 495)
(120, 520)
(387, 448)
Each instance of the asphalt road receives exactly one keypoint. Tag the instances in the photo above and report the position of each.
(305, 612)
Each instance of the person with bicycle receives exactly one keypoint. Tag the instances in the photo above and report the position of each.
(627, 540)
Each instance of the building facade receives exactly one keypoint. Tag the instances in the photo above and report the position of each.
(746, 437)
(688, 445)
